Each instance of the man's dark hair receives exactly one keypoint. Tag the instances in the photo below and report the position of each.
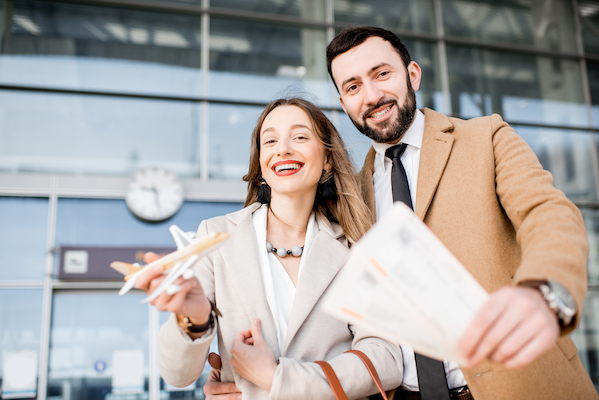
(355, 36)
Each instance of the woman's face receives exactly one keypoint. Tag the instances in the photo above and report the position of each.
(291, 157)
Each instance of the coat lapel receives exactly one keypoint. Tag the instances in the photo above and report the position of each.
(325, 258)
(434, 153)
(241, 260)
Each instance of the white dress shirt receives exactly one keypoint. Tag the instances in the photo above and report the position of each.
(383, 196)
(278, 286)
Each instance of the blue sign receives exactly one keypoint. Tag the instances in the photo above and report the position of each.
(100, 365)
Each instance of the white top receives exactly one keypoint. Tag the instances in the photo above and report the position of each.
(383, 196)
(279, 288)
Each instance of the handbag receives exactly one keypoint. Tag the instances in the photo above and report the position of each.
(336, 385)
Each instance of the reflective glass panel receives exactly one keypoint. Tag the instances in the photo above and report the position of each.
(93, 336)
(305, 9)
(23, 233)
(591, 221)
(193, 391)
(520, 87)
(74, 134)
(568, 155)
(589, 24)
(404, 15)
(586, 337)
(230, 139)
(259, 62)
(593, 74)
(90, 222)
(546, 24)
(96, 48)
(20, 327)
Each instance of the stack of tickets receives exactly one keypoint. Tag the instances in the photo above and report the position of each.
(402, 284)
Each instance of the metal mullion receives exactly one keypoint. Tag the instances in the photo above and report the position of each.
(47, 295)
(154, 375)
(442, 54)
(204, 117)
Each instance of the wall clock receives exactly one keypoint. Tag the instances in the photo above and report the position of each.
(154, 194)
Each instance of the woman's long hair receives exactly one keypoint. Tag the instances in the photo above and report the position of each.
(346, 208)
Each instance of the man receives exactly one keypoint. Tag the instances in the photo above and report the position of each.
(480, 188)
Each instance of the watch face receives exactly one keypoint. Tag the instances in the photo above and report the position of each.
(563, 296)
(154, 194)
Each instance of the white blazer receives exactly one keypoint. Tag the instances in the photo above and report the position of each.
(231, 278)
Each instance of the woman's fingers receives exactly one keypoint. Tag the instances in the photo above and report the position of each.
(146, 280)
(150, 257)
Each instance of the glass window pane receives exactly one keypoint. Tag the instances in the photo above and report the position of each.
(543, 24)
(586, 337)
(85, 335)
(593, 73)
(259, 62)
(568, 155)
(23, 233)
(20, 323)
(97, 48)
(105, 135)
(230, 136)
(520, 87)
(589, 24)
(356, 144)
(404, 15)
(305, 9)
(91, 222)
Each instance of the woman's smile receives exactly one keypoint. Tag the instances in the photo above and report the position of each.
(287, 167)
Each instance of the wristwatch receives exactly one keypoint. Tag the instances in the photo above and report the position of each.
(188, 327)
(559, 301)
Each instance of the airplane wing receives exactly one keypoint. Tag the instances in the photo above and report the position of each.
(182, 239)
(171, 278)
(196, 247)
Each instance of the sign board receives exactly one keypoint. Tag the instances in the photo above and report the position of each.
(93, 263)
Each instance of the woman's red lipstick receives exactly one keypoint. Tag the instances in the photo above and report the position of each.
(292, 167)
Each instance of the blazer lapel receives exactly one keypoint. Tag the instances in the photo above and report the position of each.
(325, 258)
(241, 260)
(436, 147)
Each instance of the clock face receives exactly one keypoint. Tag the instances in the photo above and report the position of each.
(154, 194)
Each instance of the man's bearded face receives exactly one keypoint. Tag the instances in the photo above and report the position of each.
(389, 130)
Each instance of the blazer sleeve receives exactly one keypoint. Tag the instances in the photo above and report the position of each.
(550, 228)
(181, 360)
(295, 379)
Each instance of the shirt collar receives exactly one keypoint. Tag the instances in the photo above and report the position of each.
(412, 137)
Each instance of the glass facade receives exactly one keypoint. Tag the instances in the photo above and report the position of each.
(92, 91)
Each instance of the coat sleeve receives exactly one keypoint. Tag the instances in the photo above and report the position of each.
(550, 228)
(295, 379)
(180, 359)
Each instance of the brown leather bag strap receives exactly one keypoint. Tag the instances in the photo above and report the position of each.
(333, 380)
(371, 369)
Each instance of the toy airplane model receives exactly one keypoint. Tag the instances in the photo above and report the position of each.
(188, 252)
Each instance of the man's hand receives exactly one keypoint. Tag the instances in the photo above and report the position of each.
(214, 389)
(190, 301)
(514, 327)
(252, 358)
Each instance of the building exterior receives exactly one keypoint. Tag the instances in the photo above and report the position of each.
(93, 90)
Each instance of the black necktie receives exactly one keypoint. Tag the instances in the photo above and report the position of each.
(431, 373)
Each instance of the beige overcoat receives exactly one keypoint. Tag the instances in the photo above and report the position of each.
(483, 192)
(231, 278)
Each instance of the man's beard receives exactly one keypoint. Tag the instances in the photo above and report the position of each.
(390, 130)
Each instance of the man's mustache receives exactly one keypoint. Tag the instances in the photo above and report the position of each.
(380, 103)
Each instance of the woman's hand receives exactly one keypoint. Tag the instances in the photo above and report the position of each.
(252, 358)
(190, 301)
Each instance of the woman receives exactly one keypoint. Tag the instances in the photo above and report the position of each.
(272, 326)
